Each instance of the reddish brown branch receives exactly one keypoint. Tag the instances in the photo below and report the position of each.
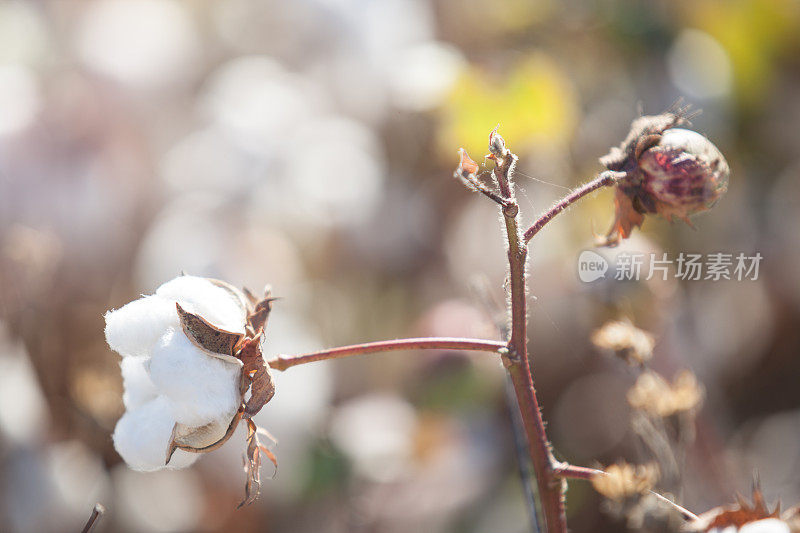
(516, 361)
(433, 343)
(604, 179)
(568, 471)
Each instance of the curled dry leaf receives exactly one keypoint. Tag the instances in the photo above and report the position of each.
(216, 341)
(466, 166)
(252, 465)
(256, 376)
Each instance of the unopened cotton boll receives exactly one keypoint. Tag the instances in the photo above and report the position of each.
(201, 388)
(143, 434)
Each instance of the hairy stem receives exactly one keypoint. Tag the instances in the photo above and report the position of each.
(604, 179)
(517, 363)
(431, 343)
(568, 471)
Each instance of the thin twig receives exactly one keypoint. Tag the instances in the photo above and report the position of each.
(97, 512)
(431, 343)
(604, 179)
(568, 471)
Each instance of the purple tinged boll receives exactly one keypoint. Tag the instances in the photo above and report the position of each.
(670, 171)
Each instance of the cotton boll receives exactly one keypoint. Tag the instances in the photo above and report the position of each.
(198, 295)
(136, 381)
(136, 327)
(201, 388)
(142, 436)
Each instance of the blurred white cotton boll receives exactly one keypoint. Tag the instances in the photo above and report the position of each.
(19, 386)
(79, 478)
(19, 98)
(162, 501)
(254, 100)
(133, 329)
(421, 76)
(188, 234)
(201, 388)
(142, 437)
(377, 433)
(146, 44)
(699, 66)
(23, 35)
(138, 386)
(381, 28)
(207, 160)
(340, 174)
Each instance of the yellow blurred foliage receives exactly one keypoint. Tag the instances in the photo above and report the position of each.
(753, 32)
(535, 104)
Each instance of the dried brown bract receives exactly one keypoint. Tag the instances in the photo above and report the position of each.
(623, 480)
(629, 343)
(737, 516)
(654, 396)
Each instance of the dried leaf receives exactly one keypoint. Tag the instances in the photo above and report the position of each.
(210, 338)
(466, 165)
(256, 376)
(252, 466)
(626, 218)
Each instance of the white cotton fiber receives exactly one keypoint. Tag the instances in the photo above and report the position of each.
(200, 296)
(200, 387)
(138, 387)
(136, 327)
(143, 434)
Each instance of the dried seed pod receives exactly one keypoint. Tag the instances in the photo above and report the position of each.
(670, 171)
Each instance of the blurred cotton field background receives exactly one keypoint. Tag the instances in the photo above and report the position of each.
(309, 145)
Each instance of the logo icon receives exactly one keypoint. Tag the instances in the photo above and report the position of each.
(591, 266)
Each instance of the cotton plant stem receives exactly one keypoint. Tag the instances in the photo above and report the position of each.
(97, 513)
(431, 343)
(568, 471)
(516, 361)
(604, 179)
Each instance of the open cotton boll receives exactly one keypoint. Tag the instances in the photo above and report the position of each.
(135, 328)
(200, 387)
(143, 434)
(200, 296)
(138, 387)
